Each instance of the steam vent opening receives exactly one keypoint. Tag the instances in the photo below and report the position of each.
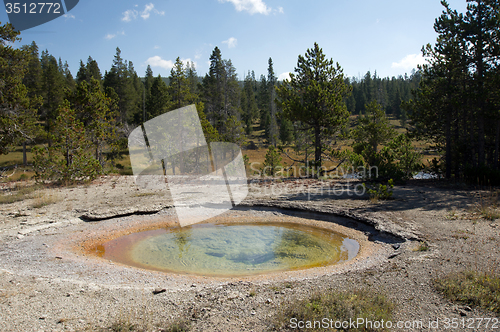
(228, 249)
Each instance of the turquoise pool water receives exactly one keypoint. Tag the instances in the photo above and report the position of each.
(231, 249)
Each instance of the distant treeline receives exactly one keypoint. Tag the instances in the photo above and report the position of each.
(452, 102)
(141, 98)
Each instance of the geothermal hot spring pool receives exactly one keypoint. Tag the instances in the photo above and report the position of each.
(229, 250)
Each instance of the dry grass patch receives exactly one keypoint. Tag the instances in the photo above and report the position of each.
(42, 199)
(125, 325)
(147, 194)
(472, 288)
(18, 193)
(488, 206)
(335, 306)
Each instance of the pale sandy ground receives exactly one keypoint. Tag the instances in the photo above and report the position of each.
(48, 284)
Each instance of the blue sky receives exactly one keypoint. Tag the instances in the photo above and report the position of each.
(362, 35)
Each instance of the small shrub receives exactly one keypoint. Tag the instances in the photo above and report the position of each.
(472, 288)
(272, 162)
(380, 191)
(337, 307)
(179, 326)
(120, 326)
(422, 246)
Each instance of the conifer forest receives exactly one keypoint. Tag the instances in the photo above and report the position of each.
(76, 125)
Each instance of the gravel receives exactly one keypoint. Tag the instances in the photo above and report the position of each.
(49, 282)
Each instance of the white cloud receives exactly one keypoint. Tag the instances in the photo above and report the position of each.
(69, 16)
(157, 61)
(129, 15)
(132, 14)
(110, 36)
(284, 76)
(150, 8)
(231, 42)
(280, 10)
(409, 62)
(157, 47)
(188, 60)
(252, 6)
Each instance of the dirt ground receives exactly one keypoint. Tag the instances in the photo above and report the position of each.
(49, 282)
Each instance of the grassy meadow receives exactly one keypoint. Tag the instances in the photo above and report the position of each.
(256, 156)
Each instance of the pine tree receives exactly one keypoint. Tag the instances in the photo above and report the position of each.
(273, 124)
(70, 81)
(122, 78)
(213, 89)
(249, 103)
(179, 86)
(93, 71)
(372, 130)
(159, 99)
(314, 97)
(234, 131)
(231, 90)
(148, 80)
(18, 115)
(69, 158)
(95, 111)
(221, 91)
(53, 83)
(81, 75)
(286, 131)
(33, 77)
(193, 81)
(262, 100)
(272, 161)
(454, 105)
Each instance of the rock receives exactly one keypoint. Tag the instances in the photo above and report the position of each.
(159, 291)
(396, 246)
(233, 295)
(268, 301)
(394, 255)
